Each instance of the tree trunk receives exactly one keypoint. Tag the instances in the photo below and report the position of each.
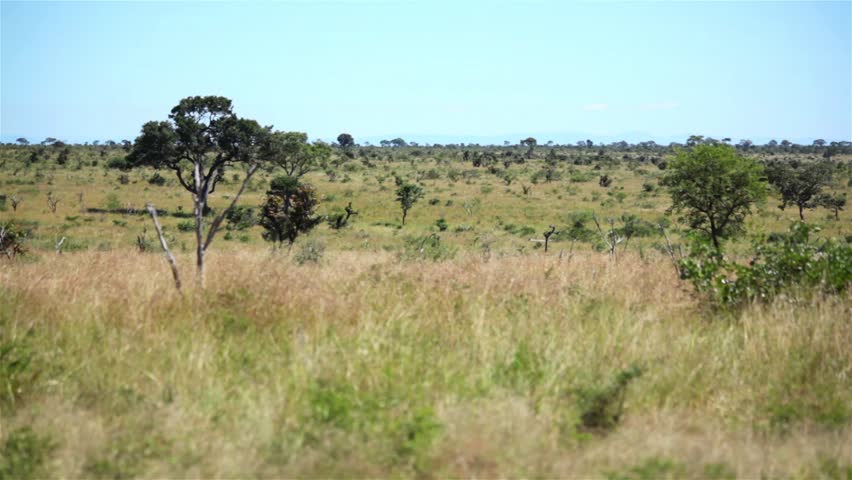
(404, 213)
(199, 242)
(801, 213)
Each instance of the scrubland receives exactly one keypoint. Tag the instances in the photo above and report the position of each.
(480, 357)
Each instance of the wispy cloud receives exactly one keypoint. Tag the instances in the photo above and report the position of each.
(660, 106)
(596, 107)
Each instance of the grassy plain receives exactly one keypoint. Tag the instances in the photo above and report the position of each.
(479, 357)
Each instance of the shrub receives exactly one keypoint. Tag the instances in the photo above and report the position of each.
(311, 252)
(441, 223)
(241, 218)
(12, 237)
(24, 453)
(601, 407)
(795, 263)
(186, 226)
(157, 179)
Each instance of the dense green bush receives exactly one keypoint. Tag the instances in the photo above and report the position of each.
(793, 263)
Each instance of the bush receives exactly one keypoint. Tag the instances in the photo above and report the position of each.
(157, 179)
(602, 407)
(792, 264)
(241, 218)
(441, 223)
(12, 237)
(186, 226)
(23, 454)
(311, 252)
(119, 163)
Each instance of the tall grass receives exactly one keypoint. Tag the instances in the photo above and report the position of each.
(363, 365)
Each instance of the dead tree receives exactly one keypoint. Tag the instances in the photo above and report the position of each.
(169, 256)
(671, 251)
(59, 246)
(547, 235)
(610, 238)
(15, 201)
(52, 202)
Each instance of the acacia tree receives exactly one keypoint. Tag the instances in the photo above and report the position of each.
(407, 195)
(799, 184)
(202, 137)
(715, 188)
(345, 141)
(294, 155)
(530, 142)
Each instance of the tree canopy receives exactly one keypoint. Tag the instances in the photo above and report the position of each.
(715, 188)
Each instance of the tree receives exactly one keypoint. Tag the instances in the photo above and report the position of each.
(345, 141)
(715, 188)
(202, 137)
(288, 210)
(407, 195)
(296, 157)
(799, 184)
(398, 142)
(23, 141)
(834, 202)
(745, 144)
(530, 143)
(694, 140)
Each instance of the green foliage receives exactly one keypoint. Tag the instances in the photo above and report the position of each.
(795, 264)
(429, 247)
(288, 210)
(715, 188)
(186, 226)
(601, 407)
(523, 371)
(12, 238)
(441, 224)
(407, 195)
(17, 371)
(241, 218)
(23, 454)
(799, 184)
(157, 179)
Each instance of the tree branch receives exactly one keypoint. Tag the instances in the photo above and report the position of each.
(214, 227)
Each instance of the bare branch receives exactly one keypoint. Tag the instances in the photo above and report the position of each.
(169, 256)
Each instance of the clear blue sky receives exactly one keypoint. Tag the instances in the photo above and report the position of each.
(427, 69)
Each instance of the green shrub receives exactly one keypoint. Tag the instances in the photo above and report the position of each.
(23, 454)
(792, 264)
(241, 218)
(601, 407)
(186, 226)
(157, 179)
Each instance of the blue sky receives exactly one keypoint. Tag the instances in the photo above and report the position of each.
(431, 70)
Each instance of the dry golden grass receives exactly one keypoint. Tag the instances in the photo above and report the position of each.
(368, 366)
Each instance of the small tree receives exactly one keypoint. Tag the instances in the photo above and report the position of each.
(288, 211)
(407, 195)
(799, 184)
(715, 188)
(200, 140)
(530, 143)
(23, 141)
(345, 141)
(834, 202)
(294, 155)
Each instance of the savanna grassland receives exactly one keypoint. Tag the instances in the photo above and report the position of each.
(451, 347)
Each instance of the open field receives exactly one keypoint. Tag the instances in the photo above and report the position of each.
(474, 356)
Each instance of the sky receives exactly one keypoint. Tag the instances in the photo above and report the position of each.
(434, 71)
